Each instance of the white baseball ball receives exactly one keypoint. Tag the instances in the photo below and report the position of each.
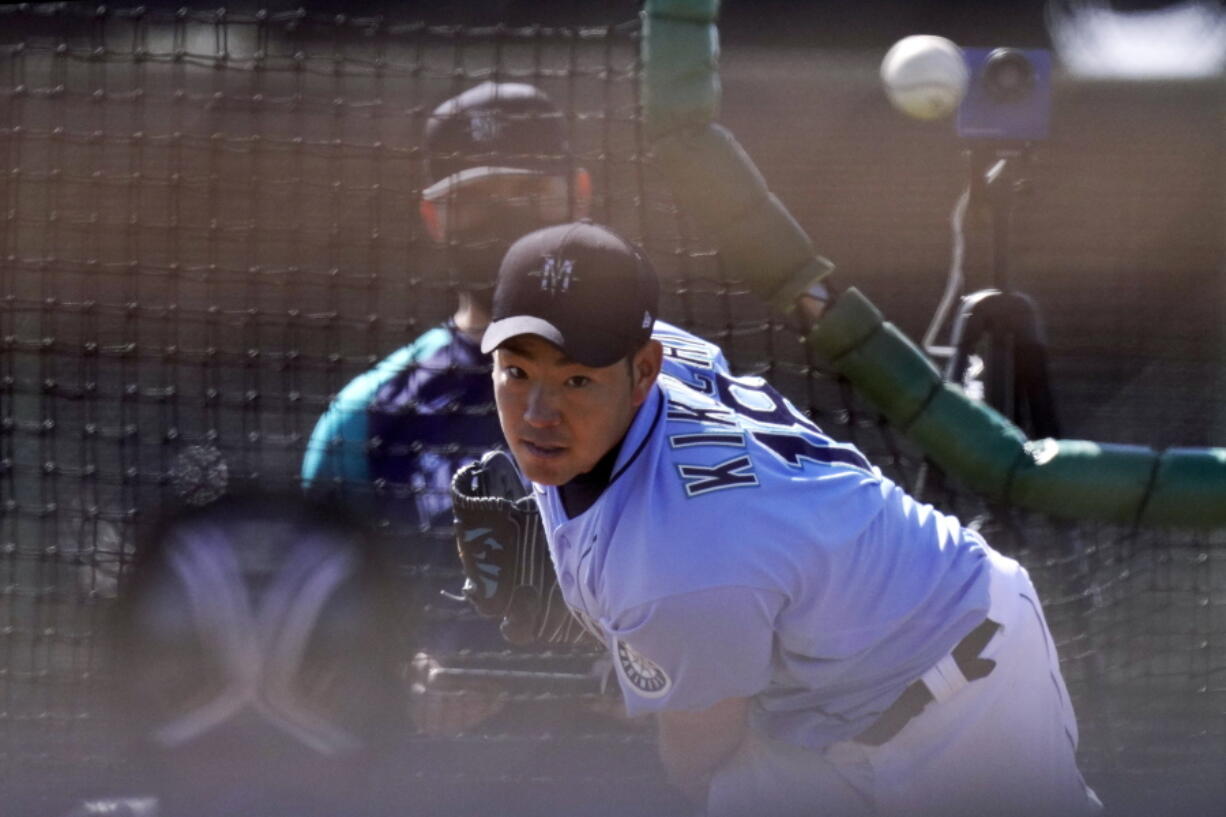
(925, 76)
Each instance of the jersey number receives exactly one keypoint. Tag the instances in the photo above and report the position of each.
(791, 438)
(762, 403)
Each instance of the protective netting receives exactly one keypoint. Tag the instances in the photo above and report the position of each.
(209, 227)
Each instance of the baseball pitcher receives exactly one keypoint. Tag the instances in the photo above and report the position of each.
(811, 638)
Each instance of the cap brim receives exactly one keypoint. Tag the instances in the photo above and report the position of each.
(500, 331)
(448, 185)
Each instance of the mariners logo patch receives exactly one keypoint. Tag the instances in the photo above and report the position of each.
(647, 678)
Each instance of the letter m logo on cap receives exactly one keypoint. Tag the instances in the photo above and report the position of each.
(556, 275)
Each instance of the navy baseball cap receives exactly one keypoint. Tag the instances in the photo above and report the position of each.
(496, 128)
(579, 286)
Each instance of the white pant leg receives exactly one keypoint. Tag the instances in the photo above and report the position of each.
(1001, 745)
(770, 778)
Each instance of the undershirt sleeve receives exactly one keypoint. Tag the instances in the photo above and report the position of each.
(693, 650)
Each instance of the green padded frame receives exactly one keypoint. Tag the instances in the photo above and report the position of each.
(718, 185)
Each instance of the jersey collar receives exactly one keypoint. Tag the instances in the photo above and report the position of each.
(632, 445)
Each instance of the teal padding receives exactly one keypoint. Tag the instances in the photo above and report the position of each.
(699, 11)
(681, 86)
(1084, 480)
(847, 323)
(712, 178)
(887, 368)
(892, 374)
(1189, 488)
(970, 441)
(712, 174)
(718, 185)
(979, 447)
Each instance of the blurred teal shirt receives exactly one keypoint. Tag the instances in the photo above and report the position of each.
(336, 455)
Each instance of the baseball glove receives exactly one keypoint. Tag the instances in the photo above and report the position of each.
(507, 569)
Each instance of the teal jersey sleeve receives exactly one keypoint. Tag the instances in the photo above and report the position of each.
(336, 454)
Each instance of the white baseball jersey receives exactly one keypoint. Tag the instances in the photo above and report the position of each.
(740, 552)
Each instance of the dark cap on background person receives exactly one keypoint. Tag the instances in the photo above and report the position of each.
(495, 128)
(579, 286)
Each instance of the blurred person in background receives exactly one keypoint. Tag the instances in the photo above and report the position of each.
(498, 165)
(254, 664)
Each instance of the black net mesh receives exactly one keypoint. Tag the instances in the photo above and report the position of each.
(208, 227)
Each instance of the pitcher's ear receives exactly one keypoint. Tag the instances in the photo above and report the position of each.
(645, 369)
